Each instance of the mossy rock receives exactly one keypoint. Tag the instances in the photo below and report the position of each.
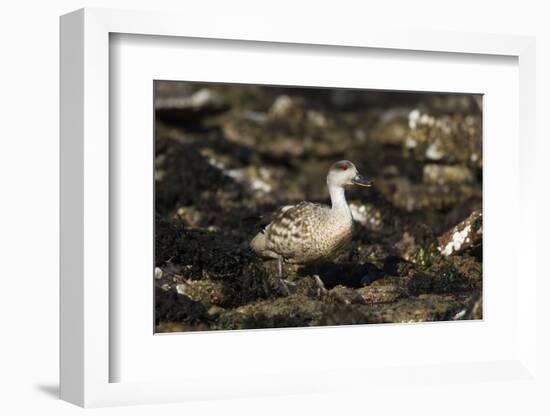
(384, 290)
(292, 311)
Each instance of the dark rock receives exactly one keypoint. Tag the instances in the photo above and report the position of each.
(173, 307)
(445, 276)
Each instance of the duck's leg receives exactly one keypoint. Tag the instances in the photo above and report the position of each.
(280, 267)
(319, 281)
(282, 282)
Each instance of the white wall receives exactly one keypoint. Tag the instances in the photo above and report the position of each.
(29, 180)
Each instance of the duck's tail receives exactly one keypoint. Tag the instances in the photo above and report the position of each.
(258, 244)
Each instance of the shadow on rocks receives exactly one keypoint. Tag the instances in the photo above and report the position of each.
(346, 274)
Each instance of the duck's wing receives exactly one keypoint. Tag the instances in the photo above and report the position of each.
(278, 215)
(260, 242)
(293, 223)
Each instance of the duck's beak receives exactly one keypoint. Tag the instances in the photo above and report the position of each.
(362, 181)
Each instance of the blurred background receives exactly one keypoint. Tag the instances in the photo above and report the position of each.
(225, 155)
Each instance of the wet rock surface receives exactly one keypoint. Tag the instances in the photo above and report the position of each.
(226, 156)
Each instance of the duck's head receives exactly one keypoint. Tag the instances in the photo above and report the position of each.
(343, 173)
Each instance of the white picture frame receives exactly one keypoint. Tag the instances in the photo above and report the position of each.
(86, 355)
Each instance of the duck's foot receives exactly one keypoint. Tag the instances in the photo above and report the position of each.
(320, 283)
(286, 286)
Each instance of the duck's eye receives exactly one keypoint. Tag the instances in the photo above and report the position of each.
(344, 167)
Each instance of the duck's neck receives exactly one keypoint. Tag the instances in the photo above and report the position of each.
(338, 198)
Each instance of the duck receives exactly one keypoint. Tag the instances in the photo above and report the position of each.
(310, 233)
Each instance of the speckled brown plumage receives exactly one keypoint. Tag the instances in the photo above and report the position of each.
(306, 233)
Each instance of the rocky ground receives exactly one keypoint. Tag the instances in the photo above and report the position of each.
(226, 155)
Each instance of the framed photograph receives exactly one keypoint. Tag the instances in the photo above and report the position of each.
(268, 212)
(237, 247)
